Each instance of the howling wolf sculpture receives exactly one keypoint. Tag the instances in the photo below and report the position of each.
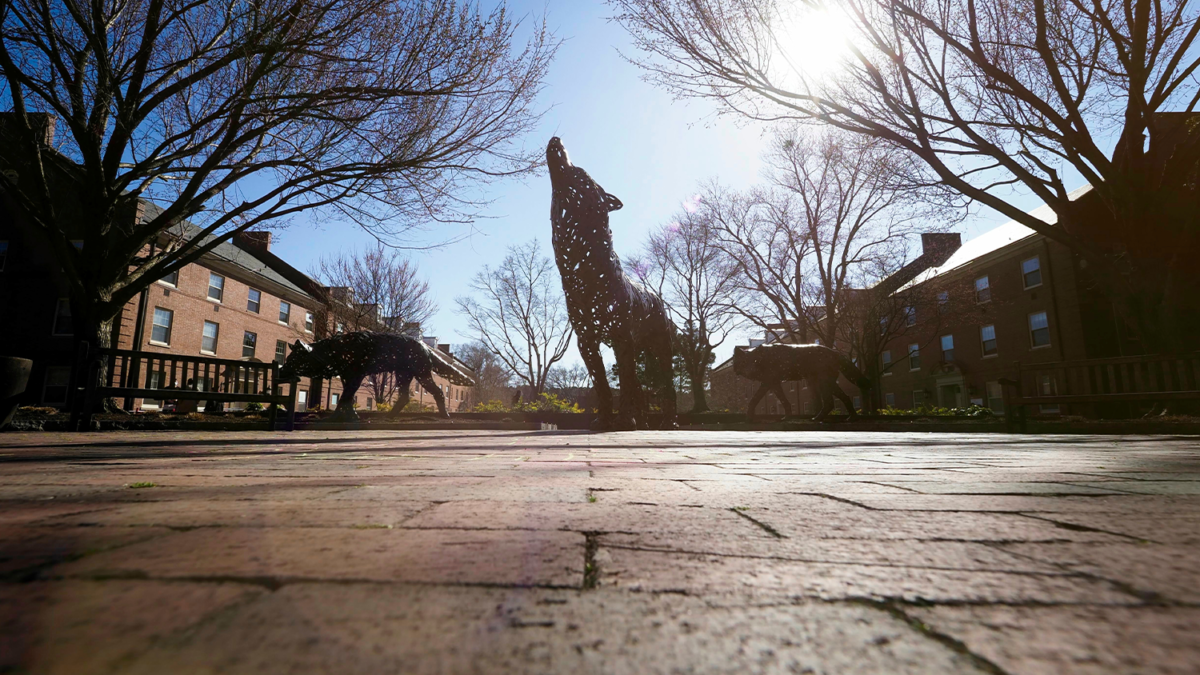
(605, 305)
(353, 356)
(775, 363)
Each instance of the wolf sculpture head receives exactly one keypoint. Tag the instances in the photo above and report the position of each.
(575, 193)
(303, 361)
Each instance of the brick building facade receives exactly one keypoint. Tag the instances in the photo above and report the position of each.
(1009, 295)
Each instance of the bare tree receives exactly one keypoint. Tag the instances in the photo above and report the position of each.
(237, 114)
(376, 289)
(571, 383)
(520, 315)
(839, 218)
(991, 94)
(492, 378)
(684, 264)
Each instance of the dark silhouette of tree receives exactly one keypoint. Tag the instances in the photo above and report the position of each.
(990, 95)
(234, 115)
(492, 379)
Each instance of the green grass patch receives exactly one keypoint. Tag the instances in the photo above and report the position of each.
(142, 484)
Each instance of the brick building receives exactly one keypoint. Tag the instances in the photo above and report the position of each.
(1009, 295)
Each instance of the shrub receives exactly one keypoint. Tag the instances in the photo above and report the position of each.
(416, 406)
(492, 406)
(383, 407)
(254, 406)
(935, 411)
(545, 402)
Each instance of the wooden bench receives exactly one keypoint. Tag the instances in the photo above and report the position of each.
(1129, 379)
(131, 375)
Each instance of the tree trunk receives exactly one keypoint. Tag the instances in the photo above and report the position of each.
(699, 399)
(93, 325)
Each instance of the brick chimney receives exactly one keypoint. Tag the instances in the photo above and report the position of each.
(444, 348)
(42, 123)
(253, 241)
(937, 247)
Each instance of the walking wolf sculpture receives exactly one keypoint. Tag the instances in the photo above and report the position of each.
(775, 363)
(353, 356)
(604, 304)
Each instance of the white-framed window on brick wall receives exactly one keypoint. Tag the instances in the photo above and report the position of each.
(249, 344)
(160, 330)
(285, 311)
(1031, 272)
(216, 286)
(914, 356)
(885, 362)
(208, 337)
(308, 322)
(987, 340)
(254, 300)
(983, 290)
(947, 348)
(1039, 330)
(281, 351)
(62, 318)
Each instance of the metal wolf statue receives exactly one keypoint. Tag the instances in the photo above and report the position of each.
(778, 362)
(605, 305)
(353, 356)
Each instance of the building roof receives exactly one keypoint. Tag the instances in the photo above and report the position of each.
(226, 251)
(991, 241)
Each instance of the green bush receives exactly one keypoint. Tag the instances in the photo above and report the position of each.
(935, 411)
(545, 402)
(254, 406)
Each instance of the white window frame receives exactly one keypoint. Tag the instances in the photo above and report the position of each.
(918, 394)
(54, 327)
(1029, 324)
(257, 309)
(987, 287)
(220, 289)
(216, 338)
(942, 344)
(885, 359)
(164, 281)
(983, 342)
(278, 357)
(889, 399)
(169, 326)
(1041, 280)
(253, 348)
(914, 349)
(285, 319)
(910, 316)
(308, 322)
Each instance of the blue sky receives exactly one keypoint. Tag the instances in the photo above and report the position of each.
(644, 147)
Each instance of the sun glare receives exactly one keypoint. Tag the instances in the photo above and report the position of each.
(812, 42)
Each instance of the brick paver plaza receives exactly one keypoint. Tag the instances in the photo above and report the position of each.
(555, 552)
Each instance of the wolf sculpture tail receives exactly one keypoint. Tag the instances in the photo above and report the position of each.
(447, 369)
(852, 372)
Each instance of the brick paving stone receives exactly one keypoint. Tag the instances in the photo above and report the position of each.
(1086, 640)
(370, 553)
(516, 552)
(702, 574)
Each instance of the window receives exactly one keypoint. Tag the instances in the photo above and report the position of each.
(918, 398)
(910, 316)
(1031, 272)
(249, 341)
(943, 302)
(883, 325)
(308, 321)
(1039, 330)
(3, 254)
(301, 401)
(58, 379)
(886, 358)
(370, 403)
(62, 318)
(333, 399)
(280, 351)
(856, 402)
(1048, 386)
(914, 356)
(254, 301)
(341, 328)
(160, 331)
(171, 279)
(216, 286)
(285, 311)
(987, 337)
(995, 396)
(983, 291)
(889, 400)
(208, 339)
(154, 380)
(947, 348)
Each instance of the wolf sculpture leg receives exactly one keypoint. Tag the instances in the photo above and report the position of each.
(758, 396)
(589, 351)
(787, 406)
(826, 400)
(836, 390)
(403, 382)
(632, 413)
(435, 391)
(345, 406)
(658, 358)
